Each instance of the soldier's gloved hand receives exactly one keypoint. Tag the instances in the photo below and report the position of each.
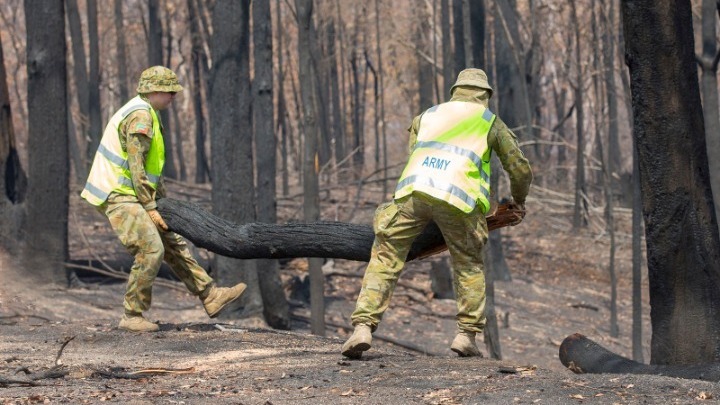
(519, 211)
(158, 220)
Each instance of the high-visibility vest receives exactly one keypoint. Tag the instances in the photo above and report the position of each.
(110, 171)
(451, 159)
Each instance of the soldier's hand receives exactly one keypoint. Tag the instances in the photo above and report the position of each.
(158, 219)
(519, 211)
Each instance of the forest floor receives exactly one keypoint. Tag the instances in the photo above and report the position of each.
(560, 285)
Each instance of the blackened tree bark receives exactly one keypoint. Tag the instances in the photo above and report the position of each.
(282, 107)
(507, 93)
(94, 114)
(276, 309)
(447, 58)
(610, 163)
(311, 204)
(198, 61)
(637, 341)
(121, 61)
(231, 142)
(477, 32)
(381, 123)
(683, 245)
(338, 117)
(46, 236)
(13, 182)
(155, 57)
(80, 76)
(609, 55)
(580, 210)
(320, 65)
(425, 69)
(458, 37)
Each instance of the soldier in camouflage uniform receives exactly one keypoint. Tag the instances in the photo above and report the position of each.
(446, 180)
(124, 182)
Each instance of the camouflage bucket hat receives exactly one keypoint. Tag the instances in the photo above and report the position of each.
(472, 77)
(158, 78)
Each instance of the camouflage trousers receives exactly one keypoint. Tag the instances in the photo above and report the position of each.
(396, 226)
(149, 246)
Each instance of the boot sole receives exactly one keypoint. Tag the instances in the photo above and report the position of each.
(219, 310)
(356, 351)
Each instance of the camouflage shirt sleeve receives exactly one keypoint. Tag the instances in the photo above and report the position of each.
(136, 131)
(504, 142)
(413, 129)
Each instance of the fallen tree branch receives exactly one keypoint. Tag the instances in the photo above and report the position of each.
(119, 372)
(62, 347)
(31, 378)
(256, 240)
(582, 355)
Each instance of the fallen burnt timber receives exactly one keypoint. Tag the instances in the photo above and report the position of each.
(582, 355)
(339, 240)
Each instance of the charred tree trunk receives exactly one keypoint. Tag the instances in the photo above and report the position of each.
(311, 200)
(324, 239)
(231, 142)
(155, 57)
(121, 60)
(80, 76)
(580, 210)
(198, 62)
(683, 245)
(582, 355)
(46, 233)
(275, 305)
(459, 37)
(94, 108)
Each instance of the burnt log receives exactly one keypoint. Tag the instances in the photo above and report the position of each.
(339, 240)
(582, 355)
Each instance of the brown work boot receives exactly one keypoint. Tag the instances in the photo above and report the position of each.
(136, 323)
(219, 297)
(358, 342)
(464, 344)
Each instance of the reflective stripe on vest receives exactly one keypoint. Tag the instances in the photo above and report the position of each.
(451, 159)
(110, 170)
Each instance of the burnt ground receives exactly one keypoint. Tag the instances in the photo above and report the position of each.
(559, 287)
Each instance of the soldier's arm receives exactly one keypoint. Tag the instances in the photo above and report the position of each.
(504, 142)
(137, 128)
(413, 129)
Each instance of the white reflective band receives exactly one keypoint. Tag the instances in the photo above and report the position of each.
(124, 181)
(153, 178)
(458, 151)
(132, 108)
(442, 186)
(96, 191)
(117, 160)
(487, 115)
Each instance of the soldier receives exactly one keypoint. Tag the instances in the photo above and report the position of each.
(124, 182)
(446, 180)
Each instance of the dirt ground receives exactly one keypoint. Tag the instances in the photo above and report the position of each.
(559, 287)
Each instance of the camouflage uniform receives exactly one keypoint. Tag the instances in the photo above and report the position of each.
(128, 214)
(398, 223)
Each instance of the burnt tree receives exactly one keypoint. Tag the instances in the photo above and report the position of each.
(45, 231)
(683, 245)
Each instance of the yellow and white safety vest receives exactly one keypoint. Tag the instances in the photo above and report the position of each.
(110, 171)
(451, 159)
